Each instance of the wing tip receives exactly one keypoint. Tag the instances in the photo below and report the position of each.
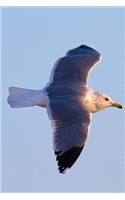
(83, 47)
(66, 159)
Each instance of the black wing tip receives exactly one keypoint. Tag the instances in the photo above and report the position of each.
(86, 47)
(83, 46)
(67, 159)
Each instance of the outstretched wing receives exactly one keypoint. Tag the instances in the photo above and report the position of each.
(74, 66)
(71, 125)
(69, 118)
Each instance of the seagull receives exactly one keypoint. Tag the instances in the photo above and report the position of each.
(70, 102)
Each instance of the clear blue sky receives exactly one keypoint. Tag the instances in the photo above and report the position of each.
(33, 38)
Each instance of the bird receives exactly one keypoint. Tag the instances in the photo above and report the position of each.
(69, 101)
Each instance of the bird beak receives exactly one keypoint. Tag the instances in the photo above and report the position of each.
(117, 105)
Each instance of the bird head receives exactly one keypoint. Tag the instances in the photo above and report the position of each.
(103, 101)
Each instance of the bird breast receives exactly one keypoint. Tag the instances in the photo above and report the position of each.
(88, 101)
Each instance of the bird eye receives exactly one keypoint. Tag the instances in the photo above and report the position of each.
(106, 99)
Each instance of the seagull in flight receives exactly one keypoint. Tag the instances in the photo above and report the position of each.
(69, 101)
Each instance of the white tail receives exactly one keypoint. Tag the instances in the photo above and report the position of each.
(20, 97)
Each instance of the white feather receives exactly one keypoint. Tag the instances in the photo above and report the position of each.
(20, 97)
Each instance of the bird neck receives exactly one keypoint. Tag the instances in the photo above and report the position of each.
(89, 101)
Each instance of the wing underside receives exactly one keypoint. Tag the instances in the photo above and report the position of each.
(69, 118)
(71, 125)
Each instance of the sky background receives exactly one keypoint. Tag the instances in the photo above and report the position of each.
(32, 40)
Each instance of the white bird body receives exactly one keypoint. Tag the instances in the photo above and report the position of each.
(69, 102)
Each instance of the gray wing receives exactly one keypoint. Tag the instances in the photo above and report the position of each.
(74, 66)
(71, 125)
(65, 89)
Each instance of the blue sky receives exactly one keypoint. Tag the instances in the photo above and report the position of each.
(33, 38)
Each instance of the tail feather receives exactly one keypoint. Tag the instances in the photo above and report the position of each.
(20, 97)
(15, 91)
